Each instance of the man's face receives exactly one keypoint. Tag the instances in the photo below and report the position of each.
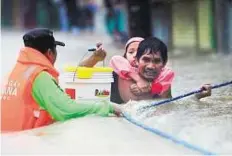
(150, 65)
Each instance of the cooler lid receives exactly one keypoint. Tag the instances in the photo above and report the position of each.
(86, 72)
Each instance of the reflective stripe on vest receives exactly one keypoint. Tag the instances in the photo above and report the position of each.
(26, 76)
(28, 72)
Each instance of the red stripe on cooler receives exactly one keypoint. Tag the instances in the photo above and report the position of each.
(71, 92)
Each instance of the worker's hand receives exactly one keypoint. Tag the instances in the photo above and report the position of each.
(206, 91)
(100, 53)
(117, 109)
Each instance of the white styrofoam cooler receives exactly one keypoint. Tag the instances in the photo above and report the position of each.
(84, 83)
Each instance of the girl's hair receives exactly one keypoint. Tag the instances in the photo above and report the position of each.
(132, 40)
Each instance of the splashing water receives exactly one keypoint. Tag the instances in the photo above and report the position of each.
(206, 123)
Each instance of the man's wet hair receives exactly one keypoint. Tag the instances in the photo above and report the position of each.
(152, 45)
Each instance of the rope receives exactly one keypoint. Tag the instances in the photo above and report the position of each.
(184, 95)
(74, 74)
(167, 136)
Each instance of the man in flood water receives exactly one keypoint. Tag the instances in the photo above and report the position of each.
(150, 57)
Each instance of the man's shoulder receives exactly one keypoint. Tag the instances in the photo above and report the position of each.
(44, 80)
(43, 76)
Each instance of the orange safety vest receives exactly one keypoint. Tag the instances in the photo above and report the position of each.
(19, 110)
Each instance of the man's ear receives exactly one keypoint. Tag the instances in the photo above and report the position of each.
(48, 54)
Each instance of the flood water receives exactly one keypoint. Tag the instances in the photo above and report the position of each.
(206, 123)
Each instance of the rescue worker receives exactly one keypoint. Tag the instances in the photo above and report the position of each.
(31, 96)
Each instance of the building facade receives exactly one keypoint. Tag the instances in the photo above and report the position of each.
(196, 25)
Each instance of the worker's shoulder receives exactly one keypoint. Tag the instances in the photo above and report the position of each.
(44, 76)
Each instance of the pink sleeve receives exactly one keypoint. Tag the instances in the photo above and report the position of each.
(163, 82)
(121, 66)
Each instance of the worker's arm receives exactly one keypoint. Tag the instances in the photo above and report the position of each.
(60, 106)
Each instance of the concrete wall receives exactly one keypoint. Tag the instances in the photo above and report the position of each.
(204, 25)
(230, 27)
(184, 24)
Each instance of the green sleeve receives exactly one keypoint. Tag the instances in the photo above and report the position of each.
(51, 97)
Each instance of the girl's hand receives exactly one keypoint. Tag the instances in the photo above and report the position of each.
(100, 53)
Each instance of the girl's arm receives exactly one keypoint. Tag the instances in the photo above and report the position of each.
(97, 56)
